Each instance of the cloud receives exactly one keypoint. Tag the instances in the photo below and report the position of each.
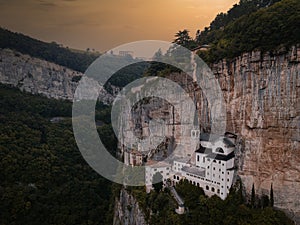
(45, 3)
(48, 4)
(131, 27)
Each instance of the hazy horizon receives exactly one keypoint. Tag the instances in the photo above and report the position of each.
(102, 25)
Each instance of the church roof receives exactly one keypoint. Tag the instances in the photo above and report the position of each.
(194, 170)
(228, 142)
(221, 157)
(204, 150)
(208, 137)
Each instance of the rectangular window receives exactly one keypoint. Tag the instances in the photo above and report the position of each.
(198, 158)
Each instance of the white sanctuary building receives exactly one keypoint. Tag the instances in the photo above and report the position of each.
(212, 169)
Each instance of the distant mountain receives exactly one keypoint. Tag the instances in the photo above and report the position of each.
(52, 70)
(51, 52)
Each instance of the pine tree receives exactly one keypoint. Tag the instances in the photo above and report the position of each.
(253, 196)
(240, 193)
(271, 196)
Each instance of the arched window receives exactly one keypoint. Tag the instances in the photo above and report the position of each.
(220, 150)
(213, 189)
(207, 188)
(195, 133)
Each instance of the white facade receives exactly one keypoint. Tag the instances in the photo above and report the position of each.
(212, 169)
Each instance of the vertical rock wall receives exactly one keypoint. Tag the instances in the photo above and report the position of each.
(127, 211)
(263, 107)
(262, 98)
(41, 77)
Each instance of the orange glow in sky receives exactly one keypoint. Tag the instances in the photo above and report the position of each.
(104, 24)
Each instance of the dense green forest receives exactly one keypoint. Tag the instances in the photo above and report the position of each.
(201, 209)
(243, 8)
(254, 24)
(51, 52)
(266, 30)
(266, 25)
(44, 179)
(127, 75)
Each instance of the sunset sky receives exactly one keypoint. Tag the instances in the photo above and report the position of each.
(104, 24)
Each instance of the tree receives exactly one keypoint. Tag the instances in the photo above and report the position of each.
(198, 35)
(183, 38)
(265, 202)
(271, 196)
(157, 182)
(253, 196)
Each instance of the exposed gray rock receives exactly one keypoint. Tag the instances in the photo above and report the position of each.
(262, 94)
(263, 108)
(127, 210)
(41, 77)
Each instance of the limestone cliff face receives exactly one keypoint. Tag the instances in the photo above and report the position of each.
(263, 107)
(40, 77)
(127, 210)
(262, 95)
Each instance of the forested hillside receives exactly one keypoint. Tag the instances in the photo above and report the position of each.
(44, 179)
(266, 29)
(51, 52)
(250, 25)
(244, 8)
(159, 206)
